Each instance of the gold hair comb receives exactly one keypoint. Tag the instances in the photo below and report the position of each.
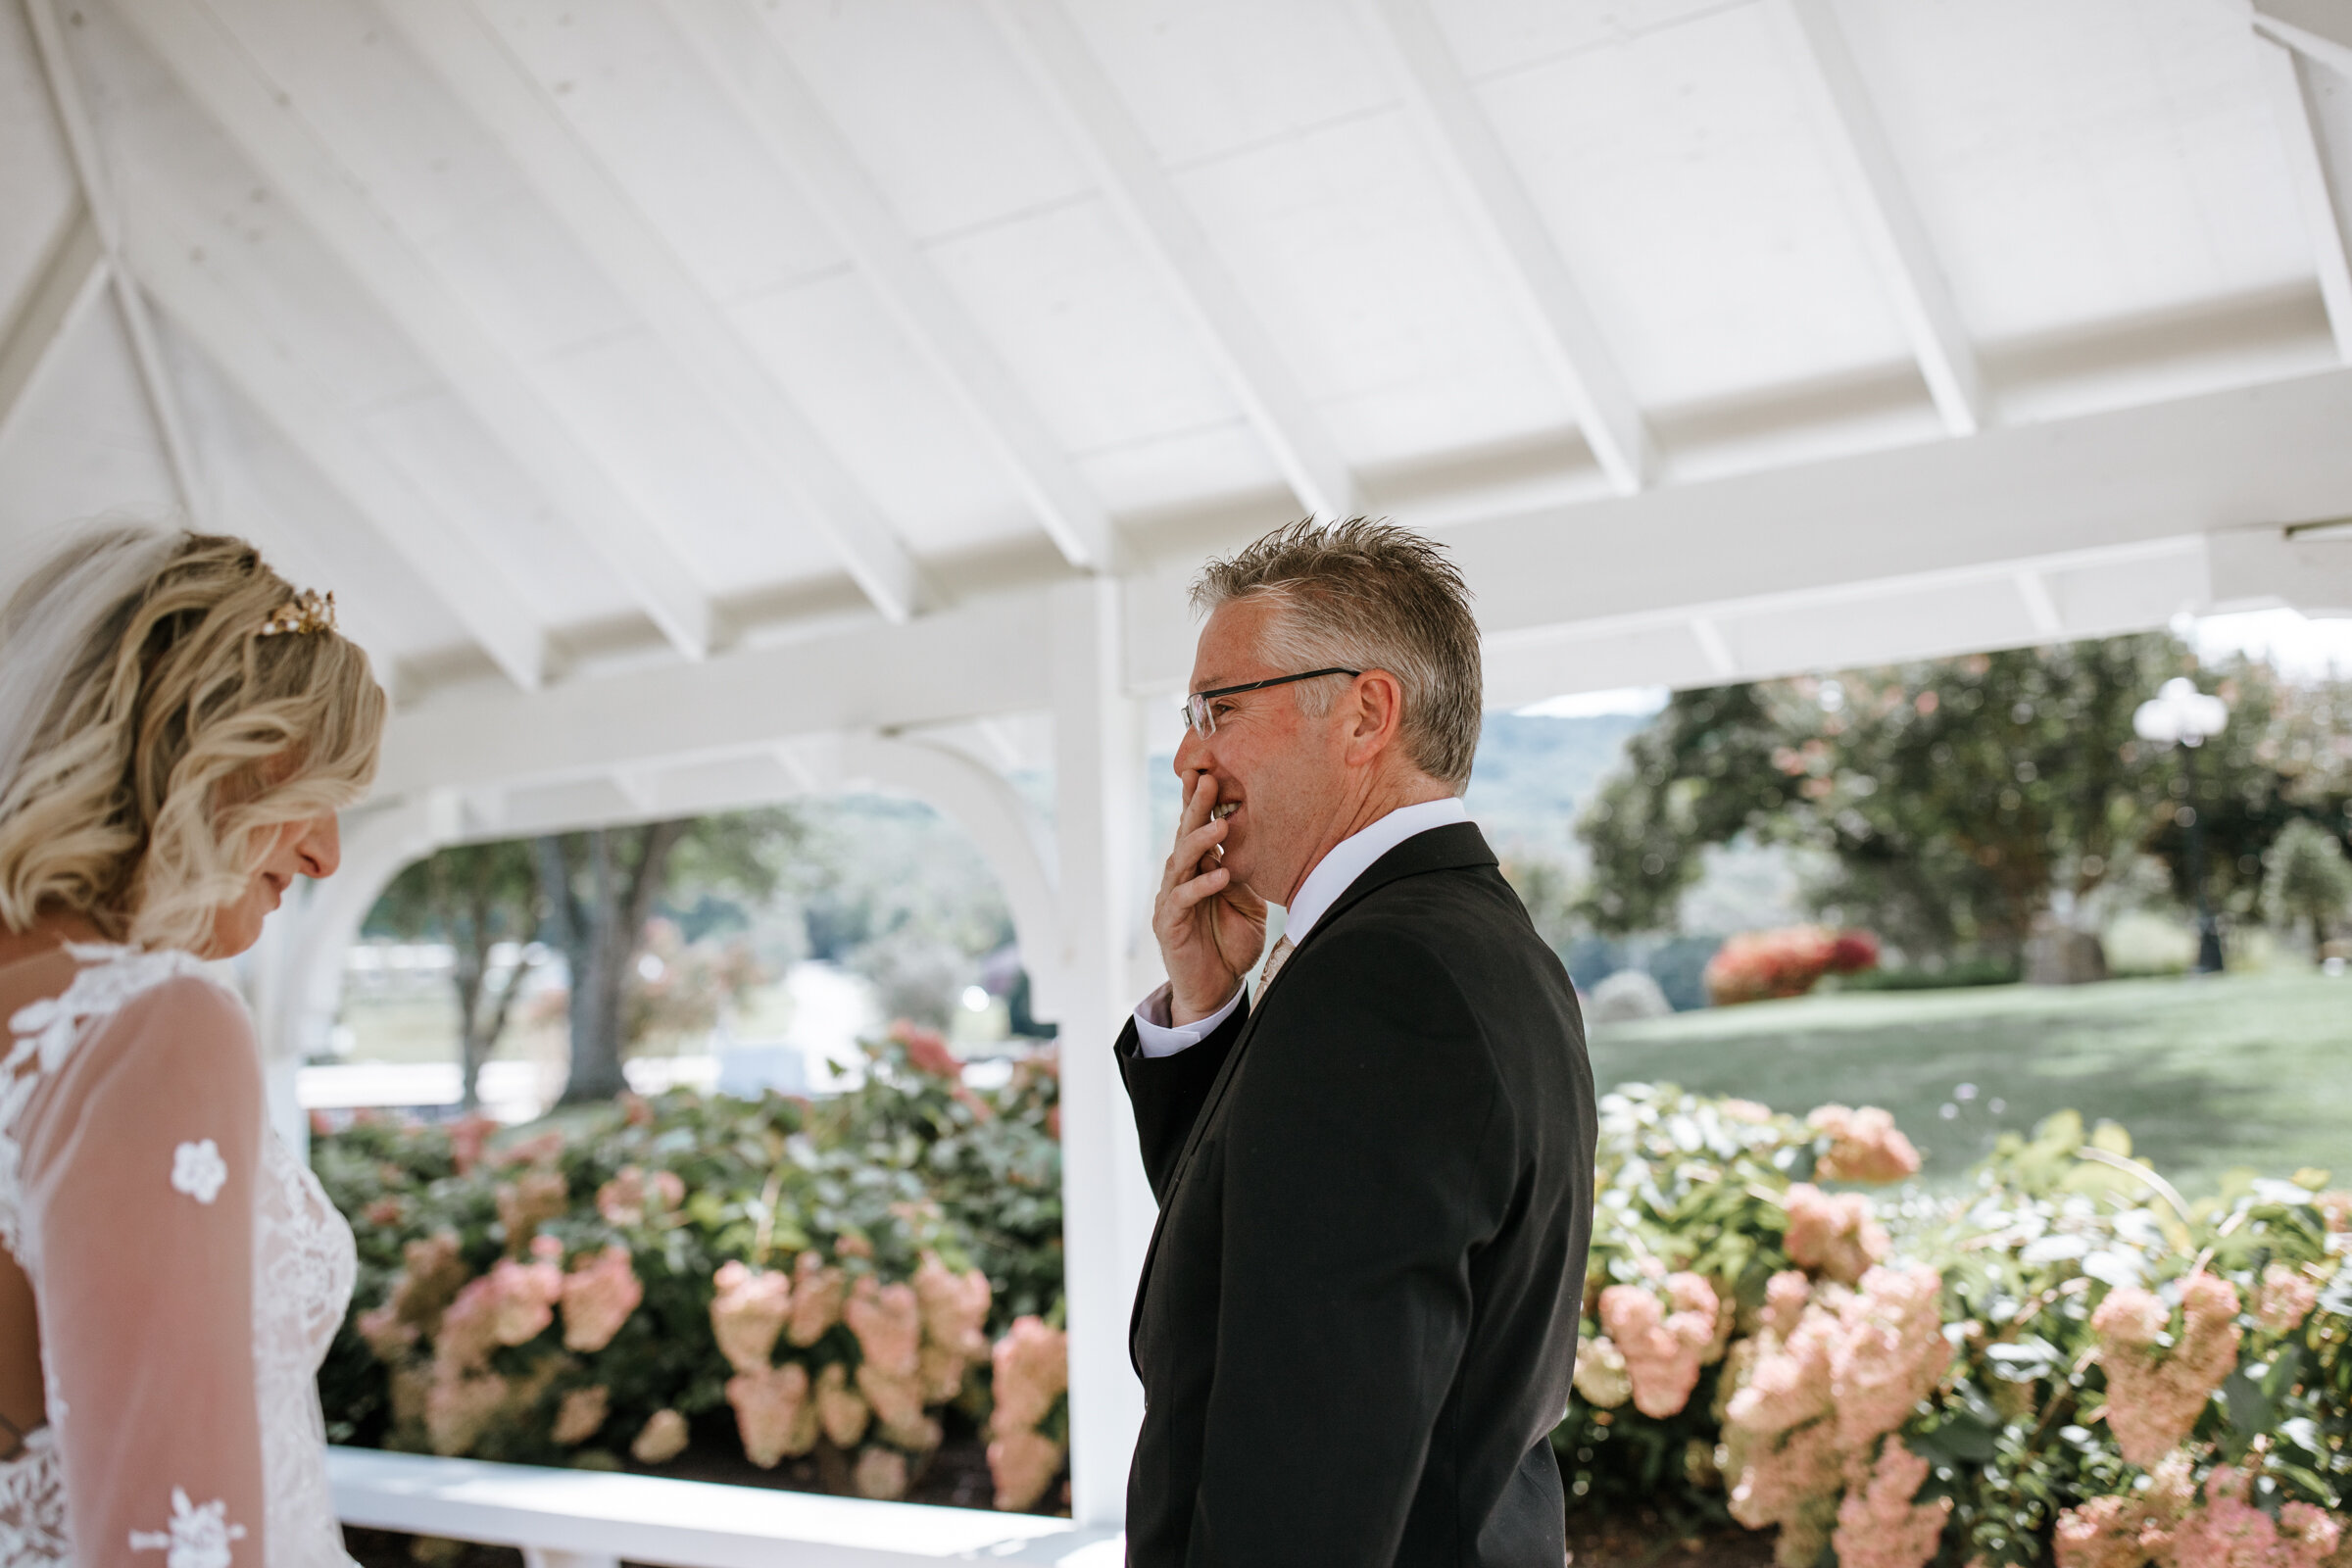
(307, 611)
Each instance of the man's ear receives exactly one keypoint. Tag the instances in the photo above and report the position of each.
(1379, 699)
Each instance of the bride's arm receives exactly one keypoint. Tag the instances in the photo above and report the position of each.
(141, 1196)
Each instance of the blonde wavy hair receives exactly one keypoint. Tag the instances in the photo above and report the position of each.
(161, 738)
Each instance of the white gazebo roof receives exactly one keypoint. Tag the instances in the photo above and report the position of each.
(692, 401)
(559, 337)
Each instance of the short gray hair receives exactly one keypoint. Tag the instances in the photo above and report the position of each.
(1368, 595)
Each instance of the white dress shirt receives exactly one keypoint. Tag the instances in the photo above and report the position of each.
(1334, 875)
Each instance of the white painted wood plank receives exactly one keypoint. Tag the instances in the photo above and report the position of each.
(692, 1524)
(2322, 215)
(262, 117)
(2318, 29)
(166, 246)
(1496, 202)
(1882, 204)
(984, 658)
(1049, 47)
(98, 198)
(1108, 1207)
(737, 48)
(475, 64)
(72, 275)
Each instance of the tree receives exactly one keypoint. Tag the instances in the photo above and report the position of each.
(604, 888)
(1957, 796)
(475, 897)
(2285, 755)
(2309, 878)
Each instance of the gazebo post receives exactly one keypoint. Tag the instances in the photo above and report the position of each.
(1107, 1204)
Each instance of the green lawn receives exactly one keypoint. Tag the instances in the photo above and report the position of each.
(2236, 1070)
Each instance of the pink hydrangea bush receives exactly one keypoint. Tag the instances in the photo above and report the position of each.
(1032, 1373)
(2154, 1395)
(583, 1414)
(1833, 1233)
(2229, 1531)
(1831, 1372)
(1879, 1525)
(1864, 1145)
(2286, 1300)
(529, 1283)
(2167, 1524)
(749, 1310)
(1759, 965)
(598, 1297)
(1662, 1351)
(773, 1412)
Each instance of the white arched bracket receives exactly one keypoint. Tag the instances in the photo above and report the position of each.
(978, 800)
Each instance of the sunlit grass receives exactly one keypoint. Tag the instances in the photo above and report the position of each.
(2235, 1070)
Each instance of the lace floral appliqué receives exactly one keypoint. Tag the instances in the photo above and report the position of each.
(198, 1538)
(198, 1170)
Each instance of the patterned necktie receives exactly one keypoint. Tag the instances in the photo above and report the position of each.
(1274, 964)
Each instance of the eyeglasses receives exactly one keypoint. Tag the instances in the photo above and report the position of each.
(1200, 721)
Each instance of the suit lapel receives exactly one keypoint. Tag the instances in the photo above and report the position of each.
(1450, 847)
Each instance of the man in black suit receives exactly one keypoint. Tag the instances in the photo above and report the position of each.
(1356, 1325)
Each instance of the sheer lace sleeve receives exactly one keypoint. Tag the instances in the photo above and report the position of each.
(139, 1194)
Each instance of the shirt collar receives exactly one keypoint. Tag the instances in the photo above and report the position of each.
(1354, 855)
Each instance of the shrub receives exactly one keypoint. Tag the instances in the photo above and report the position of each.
(2067, 1358)
(599, 1282)
(1759, 965)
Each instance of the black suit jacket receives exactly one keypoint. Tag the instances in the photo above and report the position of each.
(1356, 1324)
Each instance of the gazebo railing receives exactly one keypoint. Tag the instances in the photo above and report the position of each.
(597, 1519)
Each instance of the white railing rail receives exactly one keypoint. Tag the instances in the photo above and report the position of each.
(595, 1519)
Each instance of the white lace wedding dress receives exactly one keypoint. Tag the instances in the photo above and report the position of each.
(188, 1274)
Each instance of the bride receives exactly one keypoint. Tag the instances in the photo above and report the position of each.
(177, 729)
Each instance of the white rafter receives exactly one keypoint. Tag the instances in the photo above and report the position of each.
(1880, 202)
(68, 281)
(97, 194)
(1050, 48)
(1714, 647)
(1491, 192)
(2318, 29)
(476, 65)
(262, 119)
(166, 246)
(745, 57)
(2041, 606)
(2323, 219)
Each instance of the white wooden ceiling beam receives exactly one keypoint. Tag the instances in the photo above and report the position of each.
(264, 120)
(984, 658)
(69, 280)
(742, 54)
(2320, 30)
(1491, 193)
(1881, 205)
(1052, 50)
(500, 91)
(2322, 216)
(2041, 606)
(2138, 486)
(165, 244)
(1714, 648)
(97, 194)
(2084, 487)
